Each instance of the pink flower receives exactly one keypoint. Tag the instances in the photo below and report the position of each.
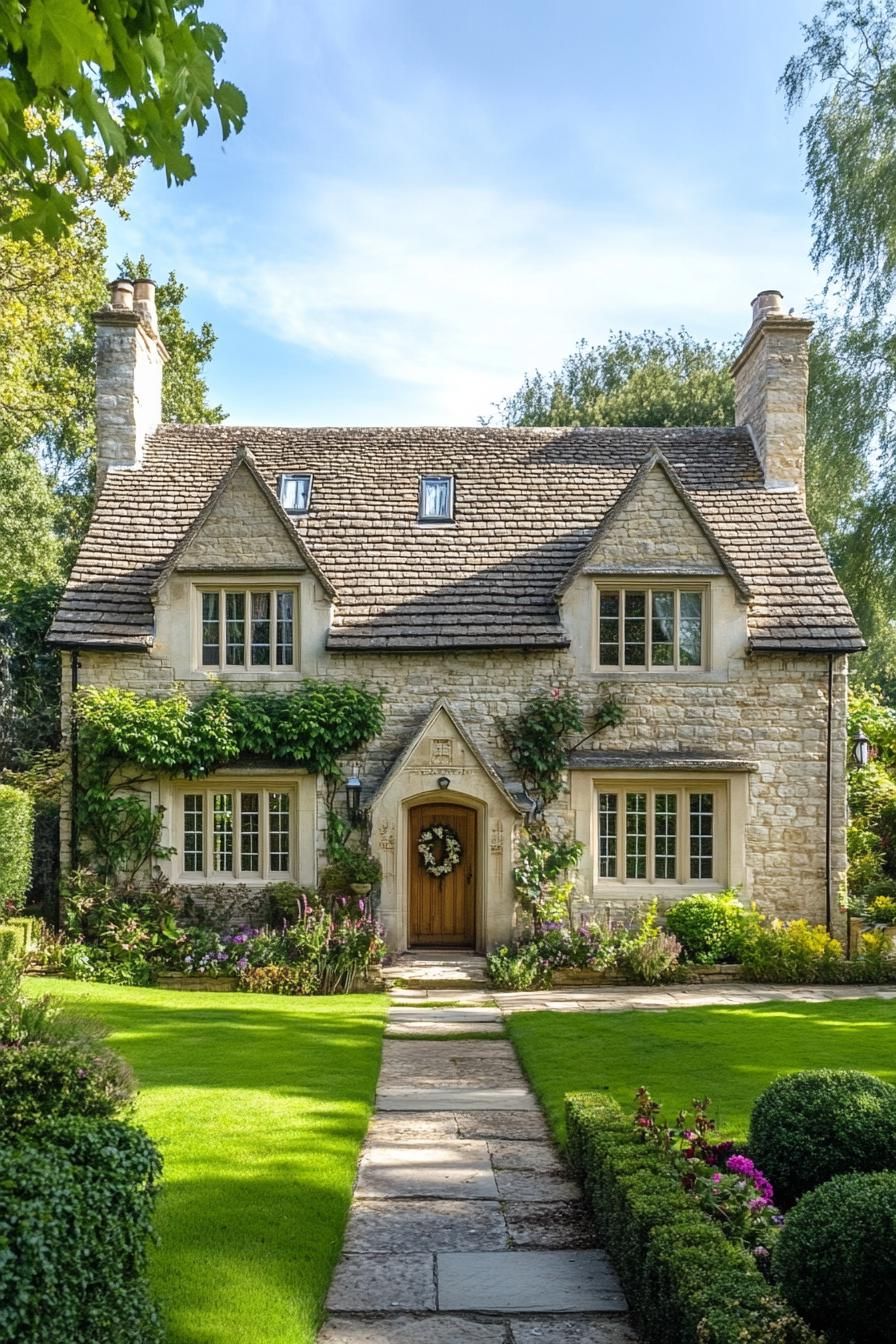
(716, 1177)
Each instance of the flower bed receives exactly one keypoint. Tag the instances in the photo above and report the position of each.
(684, 1278)
(312, 944)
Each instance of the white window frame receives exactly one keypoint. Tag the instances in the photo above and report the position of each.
(652, 785)
(246, 666)
(431, 519)
(236, 787)
(296, 476)
(658, 585)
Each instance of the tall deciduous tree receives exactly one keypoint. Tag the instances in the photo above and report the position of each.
(846, 74)
(131, 78)
(648, 378)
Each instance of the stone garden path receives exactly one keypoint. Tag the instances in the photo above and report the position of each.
(466, 1227)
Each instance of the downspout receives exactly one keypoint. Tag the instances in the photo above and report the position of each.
(829, 893)
(74, 838)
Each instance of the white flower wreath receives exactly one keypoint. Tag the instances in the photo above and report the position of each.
(451, 854)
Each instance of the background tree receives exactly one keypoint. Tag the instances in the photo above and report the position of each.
(646, 378)
(130, 79)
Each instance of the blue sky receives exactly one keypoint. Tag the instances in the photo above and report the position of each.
(430, 199)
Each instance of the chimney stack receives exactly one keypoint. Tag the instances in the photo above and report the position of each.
(771, 377)
(130, 357)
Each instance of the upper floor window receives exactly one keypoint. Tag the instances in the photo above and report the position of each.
(660, 833)
(436, 499)
(232, 831)
(295, 491)
(650, 628)
(248, 628)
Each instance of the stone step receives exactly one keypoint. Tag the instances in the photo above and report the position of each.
(439, 970)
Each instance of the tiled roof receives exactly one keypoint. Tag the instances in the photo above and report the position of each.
(528, 502)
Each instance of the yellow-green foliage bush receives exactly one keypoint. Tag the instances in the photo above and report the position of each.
(16, 845)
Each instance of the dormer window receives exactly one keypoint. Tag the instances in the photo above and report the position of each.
(295, 491)
(436, 499)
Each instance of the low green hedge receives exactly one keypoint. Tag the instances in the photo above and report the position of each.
(685, 1282)
(75, 1220)
(16, 846)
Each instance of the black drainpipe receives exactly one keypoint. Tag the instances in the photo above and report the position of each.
(829, 894)
(73, 739)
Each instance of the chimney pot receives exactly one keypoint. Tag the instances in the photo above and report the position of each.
(145, 303)
(767, 301)
(121, 293)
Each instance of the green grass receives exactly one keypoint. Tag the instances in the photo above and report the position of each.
(259, 1105)
(727, 1054)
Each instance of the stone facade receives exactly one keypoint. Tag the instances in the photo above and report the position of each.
(751, 728)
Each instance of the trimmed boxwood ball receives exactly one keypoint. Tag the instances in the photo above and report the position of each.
(836, 1258)
(809, 1126)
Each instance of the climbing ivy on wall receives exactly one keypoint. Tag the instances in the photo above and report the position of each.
(125, 740)
(538, 739)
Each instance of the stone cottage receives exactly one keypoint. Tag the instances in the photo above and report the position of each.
(463, 571)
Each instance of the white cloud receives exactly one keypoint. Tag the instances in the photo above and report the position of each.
(459, 291)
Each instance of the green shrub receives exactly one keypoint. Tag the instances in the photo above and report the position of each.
(795, 953)
(520, 967)
(709, 927)
(684, 1280)
(809, 1126)
(16, 844)
(40, 1082)
(75, 1219)
(836, 1258)
(299, 979)
(880, 907)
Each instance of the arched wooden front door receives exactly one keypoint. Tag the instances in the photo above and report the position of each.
(442, 910)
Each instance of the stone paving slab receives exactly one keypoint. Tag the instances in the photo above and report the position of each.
(469, 1014)
(441, 1031)
(555, 1226)
(436, 1224)
(407, 1329)
(414, 1127)
(383, 1283)
(460, 1169)
(490, 1124)
(455, 1099)
(513, 1155)
(548, 1330)
(538, 1186)
(518, 1281)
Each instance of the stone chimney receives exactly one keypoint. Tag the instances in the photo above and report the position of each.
(771, 376)
(130, 357)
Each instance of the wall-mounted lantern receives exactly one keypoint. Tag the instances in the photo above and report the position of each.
(862, 750)
(353, 790)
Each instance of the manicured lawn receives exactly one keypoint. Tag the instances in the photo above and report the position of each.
(727, 1054)
(259, 1105)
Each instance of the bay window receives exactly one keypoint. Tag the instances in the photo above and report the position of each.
(650, 627)
(248, 628)
(241, 832)
(664, 832)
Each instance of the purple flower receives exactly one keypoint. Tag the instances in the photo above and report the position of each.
(242, 963)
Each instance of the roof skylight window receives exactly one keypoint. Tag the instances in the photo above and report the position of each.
(436, 499)
(295, 491)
